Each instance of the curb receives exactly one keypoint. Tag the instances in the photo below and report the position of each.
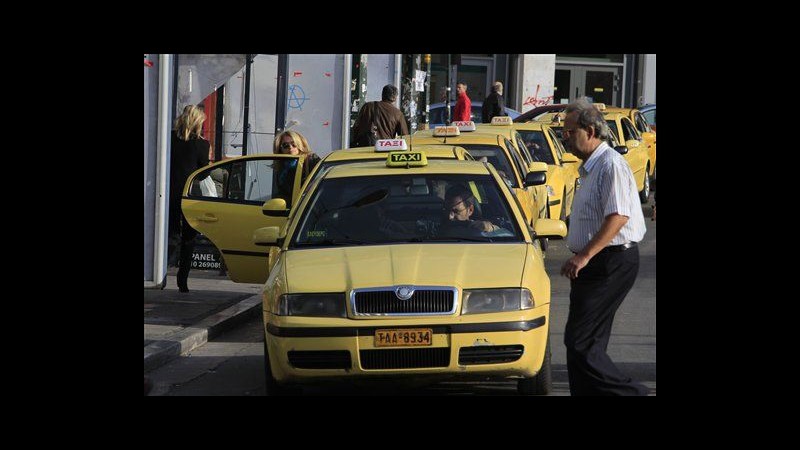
(184, 341)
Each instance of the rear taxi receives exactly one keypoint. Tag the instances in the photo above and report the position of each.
(374, 279)
(500, 152)
(638, 157)
(634, 150)
(647, 133)
(562, 175)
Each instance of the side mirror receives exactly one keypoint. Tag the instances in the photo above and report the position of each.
(549, 228)
(569, 158)
(266, 236)
(275, 208)
(633, 143)
(537, 174)
(621, 149)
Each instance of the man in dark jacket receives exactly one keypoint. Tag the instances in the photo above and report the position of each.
(379, 120)
(494, 105)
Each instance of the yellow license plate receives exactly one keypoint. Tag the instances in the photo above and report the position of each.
(406, 337)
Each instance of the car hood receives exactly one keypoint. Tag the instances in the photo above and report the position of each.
(460, 265)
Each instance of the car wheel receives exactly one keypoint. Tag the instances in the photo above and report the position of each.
(271, 384)
(542, 382)
(645, 192)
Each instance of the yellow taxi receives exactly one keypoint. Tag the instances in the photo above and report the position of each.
(629, 144)
(404, 269)
(504, 126)
(500, 152)
(637, 156)
(562, 174)
(643, 127)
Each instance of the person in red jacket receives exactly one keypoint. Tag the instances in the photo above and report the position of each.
(463, 107)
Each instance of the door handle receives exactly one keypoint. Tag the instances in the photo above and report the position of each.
(207, 218)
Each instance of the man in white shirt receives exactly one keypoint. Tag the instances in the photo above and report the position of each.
(605, 226)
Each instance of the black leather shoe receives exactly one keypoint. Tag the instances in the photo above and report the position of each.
(183, 289)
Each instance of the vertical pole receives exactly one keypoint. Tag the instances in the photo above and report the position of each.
(246, 130)
(447, 91)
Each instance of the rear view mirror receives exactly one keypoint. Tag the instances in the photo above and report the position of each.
(275, 208)
(621, 149)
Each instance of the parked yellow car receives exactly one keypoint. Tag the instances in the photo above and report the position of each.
(500, 152)
(562, 174)
(647, 133)
(635, 152)
(373, 280)
(637, 156)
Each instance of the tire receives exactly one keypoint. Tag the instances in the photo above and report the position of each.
(542, 382)
(645, 192)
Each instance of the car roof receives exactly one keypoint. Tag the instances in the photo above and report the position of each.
(531, 115)
(378, 168)
(529, 126)
(470, 137)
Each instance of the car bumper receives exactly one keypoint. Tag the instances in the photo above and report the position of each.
(495, 345)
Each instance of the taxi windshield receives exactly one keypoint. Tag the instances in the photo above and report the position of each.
(494, 155)
(406, 208)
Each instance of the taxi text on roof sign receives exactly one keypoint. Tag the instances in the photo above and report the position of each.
(501, 120)
(446, 131)
(464, 125)
(406, 159)
(388, 145)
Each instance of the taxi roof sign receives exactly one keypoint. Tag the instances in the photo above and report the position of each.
(388, 145)
(600, 106)
(501, 120)
(406, 159)
(446, 131)
(464, 125)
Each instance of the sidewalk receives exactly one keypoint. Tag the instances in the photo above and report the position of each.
(176, 323)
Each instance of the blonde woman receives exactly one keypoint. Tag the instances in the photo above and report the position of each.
(189, 152)
(293, 143)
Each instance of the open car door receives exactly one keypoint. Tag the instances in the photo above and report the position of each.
(224, 202)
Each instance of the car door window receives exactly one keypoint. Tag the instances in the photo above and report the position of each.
(641, 123)
(557, 144)
(629, 131)
(248, 181)
(538, 144)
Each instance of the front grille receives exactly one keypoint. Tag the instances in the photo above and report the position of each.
(489, 354)
(322, 359)
(423, 301)
(412, 358)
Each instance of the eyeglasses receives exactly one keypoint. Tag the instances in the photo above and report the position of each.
(455, 211)
(288, 145)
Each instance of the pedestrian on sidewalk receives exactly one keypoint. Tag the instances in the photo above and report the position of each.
(606, 224)
(189, 152)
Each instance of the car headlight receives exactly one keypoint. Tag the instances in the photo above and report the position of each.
(477, 301)
(312, 305)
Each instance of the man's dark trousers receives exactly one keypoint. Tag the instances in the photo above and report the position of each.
(594, 298)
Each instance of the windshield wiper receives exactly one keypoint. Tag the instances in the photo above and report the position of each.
(341, 241)
(460, 239)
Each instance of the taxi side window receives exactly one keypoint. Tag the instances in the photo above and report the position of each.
(209, 183)
(253, 181)
(557, 143)
(521, 166)
(628, 130)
